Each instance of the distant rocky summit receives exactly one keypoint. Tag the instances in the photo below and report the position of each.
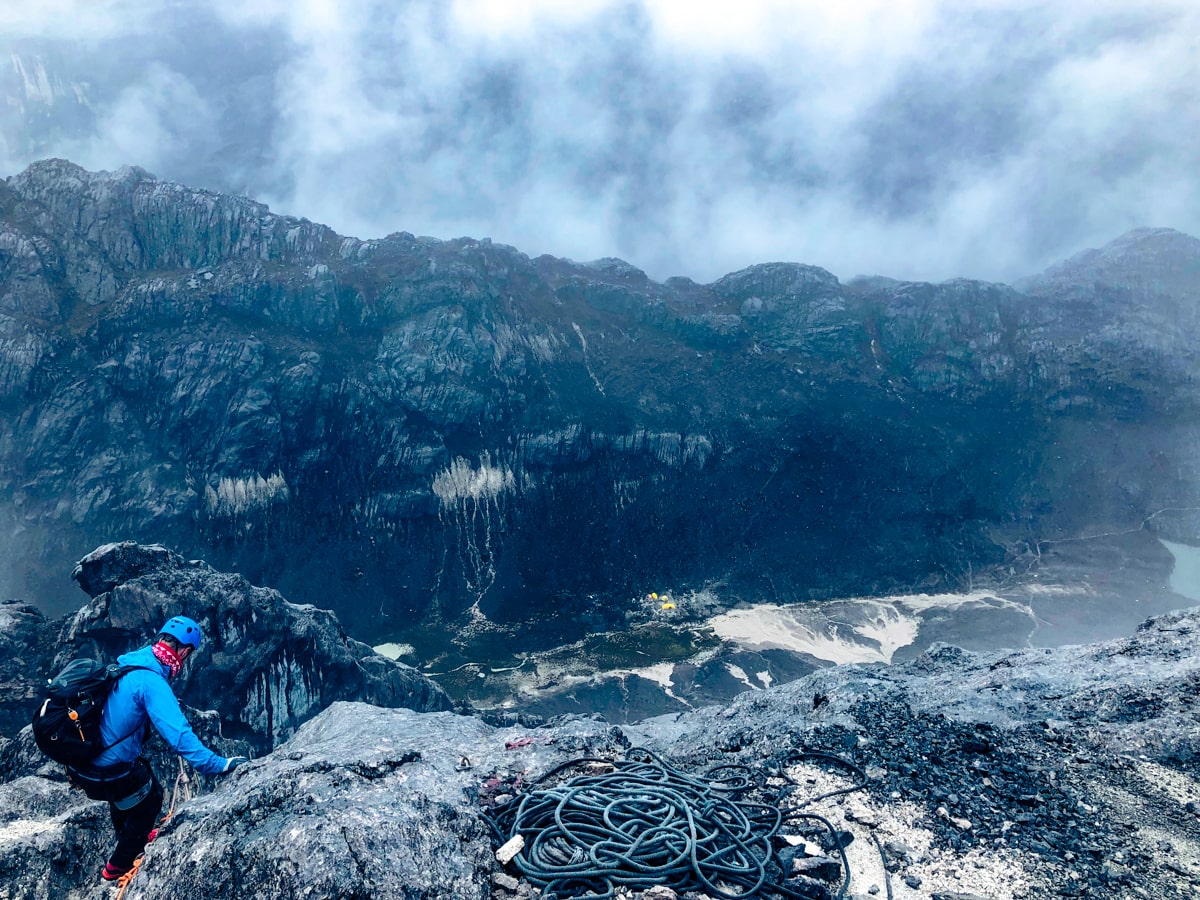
(426, 435)
(1069, 772)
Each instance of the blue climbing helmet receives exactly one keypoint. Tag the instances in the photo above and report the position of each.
(184, 630)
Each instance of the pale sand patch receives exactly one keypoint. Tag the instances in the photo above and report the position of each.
(659, 673)
(740, 674)
(1057, 590)
(562, 677)
(1111, 801)
(766, 627)
(853, 630)
(1179, 786)
(1183, 789)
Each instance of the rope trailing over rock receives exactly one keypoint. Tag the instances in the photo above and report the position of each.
(640, 822)
(123, 881)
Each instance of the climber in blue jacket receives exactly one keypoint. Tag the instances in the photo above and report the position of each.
(119, 774)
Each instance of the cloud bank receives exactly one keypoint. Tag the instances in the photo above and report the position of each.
(924, 139)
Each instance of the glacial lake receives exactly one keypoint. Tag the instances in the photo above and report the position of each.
(1185, 577)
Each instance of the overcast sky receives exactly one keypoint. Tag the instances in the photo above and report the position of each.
(920, 139)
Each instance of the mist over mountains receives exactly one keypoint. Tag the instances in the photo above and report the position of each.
(422, 433)
(922, 140)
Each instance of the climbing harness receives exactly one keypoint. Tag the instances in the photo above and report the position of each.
(181, 793)
(640, 822)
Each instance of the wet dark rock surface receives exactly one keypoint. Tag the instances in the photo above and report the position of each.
(27, 644)
(410, 430)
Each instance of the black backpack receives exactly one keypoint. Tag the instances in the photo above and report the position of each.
(66, 726)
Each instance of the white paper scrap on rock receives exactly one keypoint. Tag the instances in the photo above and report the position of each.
(511, 848)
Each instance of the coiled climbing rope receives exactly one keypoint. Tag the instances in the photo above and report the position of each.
(640, 822)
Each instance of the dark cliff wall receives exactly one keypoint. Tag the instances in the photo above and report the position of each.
(404, 429)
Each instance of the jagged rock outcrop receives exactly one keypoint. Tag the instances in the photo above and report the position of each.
(1068, 772)
(416, 432)
(27, 646)
(52, 839)
(266, 665)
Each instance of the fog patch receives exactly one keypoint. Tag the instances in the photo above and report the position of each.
(927, 139)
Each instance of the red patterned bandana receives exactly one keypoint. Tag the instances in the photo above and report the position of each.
(168, 657)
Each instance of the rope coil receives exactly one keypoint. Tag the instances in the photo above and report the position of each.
(644, 823)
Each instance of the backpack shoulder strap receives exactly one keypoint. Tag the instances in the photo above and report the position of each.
(122, 671)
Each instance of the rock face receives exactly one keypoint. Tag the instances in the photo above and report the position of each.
(265, 667)
(26, 651)
(1066, 772)
(415, 433)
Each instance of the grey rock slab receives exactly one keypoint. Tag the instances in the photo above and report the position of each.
(343, 809)
(53, 841)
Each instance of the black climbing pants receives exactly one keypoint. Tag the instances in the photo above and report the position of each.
(134, 801)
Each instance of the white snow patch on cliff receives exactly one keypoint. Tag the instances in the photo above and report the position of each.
(461, 481)
(237, 496)
(394, 651)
